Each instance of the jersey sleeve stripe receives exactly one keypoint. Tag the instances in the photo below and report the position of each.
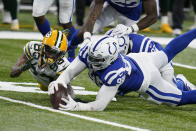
(98, 43)
(145, 43)
(27, 51)
(142, 45)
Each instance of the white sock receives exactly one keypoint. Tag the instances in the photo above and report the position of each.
(164, 19)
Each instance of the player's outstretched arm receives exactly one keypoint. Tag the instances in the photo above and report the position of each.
(94, 12)
(150, 9)
(103, 98)
(17, 68)
(75, 68)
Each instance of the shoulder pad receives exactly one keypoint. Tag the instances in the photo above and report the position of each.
(83, 53)
(31, 47)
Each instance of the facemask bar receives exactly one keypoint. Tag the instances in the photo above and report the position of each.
(48, 56)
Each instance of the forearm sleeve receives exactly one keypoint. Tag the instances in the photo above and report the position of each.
(71, 71)
(103, 98)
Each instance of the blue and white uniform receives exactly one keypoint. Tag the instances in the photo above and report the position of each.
(66, 9)
(126, 12)
(135, 43)
(134, 72)
(128, 74)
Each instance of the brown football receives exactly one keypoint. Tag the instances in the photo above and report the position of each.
(55, 99)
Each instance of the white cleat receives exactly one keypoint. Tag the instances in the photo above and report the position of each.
(186, 82)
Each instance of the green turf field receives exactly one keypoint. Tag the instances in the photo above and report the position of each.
(128, 110)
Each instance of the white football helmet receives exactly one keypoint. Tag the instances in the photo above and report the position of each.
(102, 52)
(124, 43)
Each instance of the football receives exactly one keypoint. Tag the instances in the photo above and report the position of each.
(55, 99)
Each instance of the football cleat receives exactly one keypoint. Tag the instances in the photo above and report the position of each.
(166, 28)
(188, 84)
(146, 29)
(15, 25)
(177, 32)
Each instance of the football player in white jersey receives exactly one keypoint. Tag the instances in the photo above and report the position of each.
(115, 72)
(45, 60)
(135, 43)
(126, 12)
(66, 10)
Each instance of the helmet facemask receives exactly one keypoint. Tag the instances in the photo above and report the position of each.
(49, 56)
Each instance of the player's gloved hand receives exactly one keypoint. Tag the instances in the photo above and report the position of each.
(27, 65)
(87, 35)
(71, 105)
(121, 30)
(53, 86)
(87, 39)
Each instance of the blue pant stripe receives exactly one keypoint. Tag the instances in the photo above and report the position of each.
(165, 94)
(162, 100)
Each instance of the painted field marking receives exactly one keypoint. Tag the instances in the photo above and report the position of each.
(74, 115)
(184, 66)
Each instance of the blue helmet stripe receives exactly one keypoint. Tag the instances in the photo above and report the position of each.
(99, 42)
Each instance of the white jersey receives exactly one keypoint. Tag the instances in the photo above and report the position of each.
(66, 9)
(48, 73)
(126, 12)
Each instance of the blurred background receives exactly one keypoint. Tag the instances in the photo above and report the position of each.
(17, 16)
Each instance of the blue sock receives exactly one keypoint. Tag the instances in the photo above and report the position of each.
(71, 53)
(188, 97)
(72, 31)
(179, 43)
(44, 28)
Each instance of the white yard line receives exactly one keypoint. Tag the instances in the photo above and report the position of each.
(38, 36)
(74, 115)
(184, 66)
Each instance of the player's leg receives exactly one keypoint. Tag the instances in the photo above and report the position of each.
(161, 58)
(125, 20)
(106, 17)
(179, 43)
(161, 91)
(40, 8)
(66, 10)
(167, 73)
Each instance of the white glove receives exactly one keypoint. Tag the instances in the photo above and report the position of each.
(87, 39)
(121, 30)
(87, 35)
(71, 105)
(53, 86)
